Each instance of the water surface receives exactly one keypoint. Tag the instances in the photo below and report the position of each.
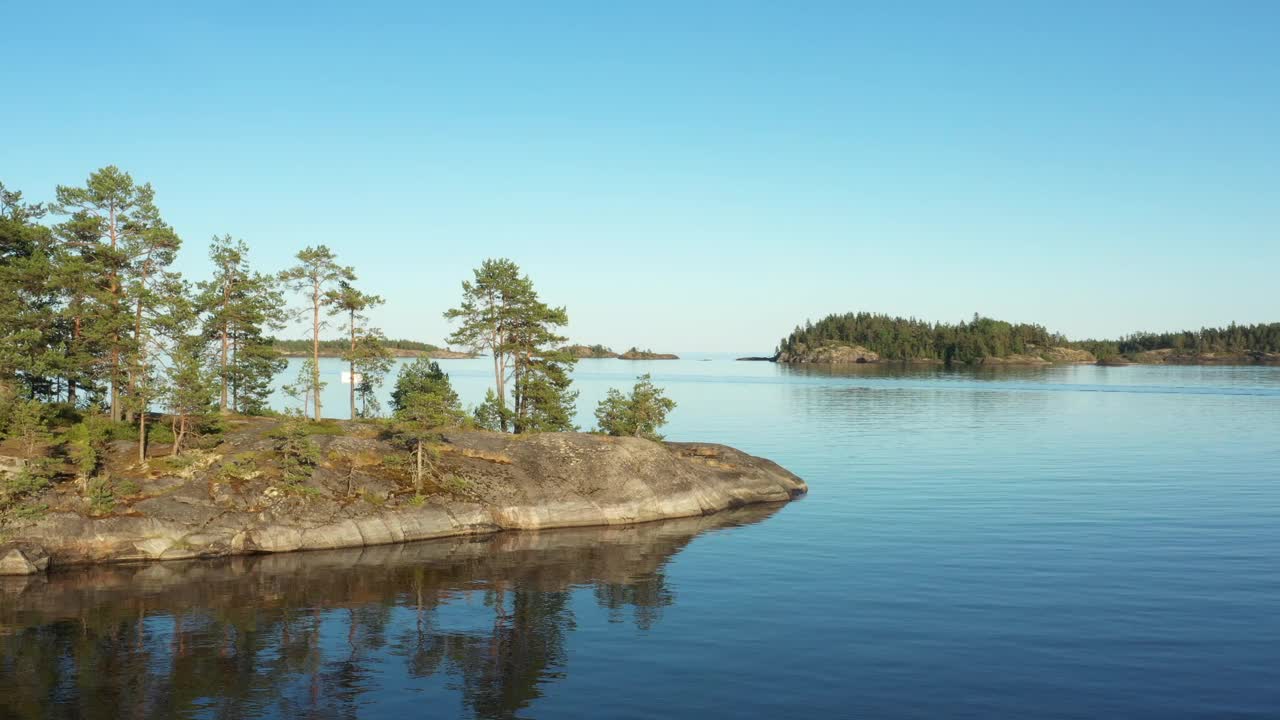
(1065, 542)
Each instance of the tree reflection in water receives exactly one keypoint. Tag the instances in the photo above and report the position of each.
(313, 634)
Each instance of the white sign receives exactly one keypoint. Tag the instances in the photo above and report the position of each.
(346, 378)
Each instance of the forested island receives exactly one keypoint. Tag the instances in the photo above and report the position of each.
(395, 348)
(599, 352)
(134, 422)
(869, 338)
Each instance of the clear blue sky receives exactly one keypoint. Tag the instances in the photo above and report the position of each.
(693, 175)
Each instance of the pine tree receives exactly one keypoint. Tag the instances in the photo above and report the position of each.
(110, 218)
(238, 307)
(29, 300)
(639, 414)
(424, 403)
(500, 313)
(191, 390)
(317, 271)
(366, 355)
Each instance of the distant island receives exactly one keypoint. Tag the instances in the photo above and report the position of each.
(604, 352)
(397, 348)
(873, 338)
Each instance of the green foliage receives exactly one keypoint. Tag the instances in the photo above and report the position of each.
(1264, 337)
(316, 273)
(422, 377)
(896, 338)
(239, 468)
(424, 403)
(324, 427)
(18, 492)
(491, 414)
(120, 430)
(296, 454)
(639, 414)
(159, 433)
(101, 495)
(455, 483)
(86, 444)
(28, 423)
(500, 313)
(307, 386)
(337, 347)
(238, 306)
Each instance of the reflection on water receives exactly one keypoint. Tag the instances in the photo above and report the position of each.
(1068, 542)
(313, 634)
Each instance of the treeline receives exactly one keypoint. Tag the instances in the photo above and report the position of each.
(294, 347)
(96, 321)
(95, 317)
(1263, 337)
(897, 338)
(105, 341)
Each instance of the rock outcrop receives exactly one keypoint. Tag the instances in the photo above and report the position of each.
(1170, 356)
(229, 500)
(831, 354)
(634, 354)
(585, 352)
(23, 559)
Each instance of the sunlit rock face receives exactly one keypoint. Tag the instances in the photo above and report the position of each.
(229, 501)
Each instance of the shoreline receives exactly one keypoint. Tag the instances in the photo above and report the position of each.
(488, 483)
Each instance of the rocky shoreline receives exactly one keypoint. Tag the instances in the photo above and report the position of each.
(834, 353)
(228, 500)
(599, 352)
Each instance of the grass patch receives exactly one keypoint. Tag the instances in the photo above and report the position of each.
(324, 427)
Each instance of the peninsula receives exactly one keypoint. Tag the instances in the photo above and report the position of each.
(268, 485)
(603, 352)
(856, 338)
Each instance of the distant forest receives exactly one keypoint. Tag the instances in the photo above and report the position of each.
(1264, 337)
(897, 338)
(298, 346)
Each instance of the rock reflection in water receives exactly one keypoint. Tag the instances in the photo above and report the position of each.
(310, 634)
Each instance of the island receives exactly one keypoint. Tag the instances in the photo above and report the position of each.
(861, 338)
(394, 348)
(604, 352)
(245, 494)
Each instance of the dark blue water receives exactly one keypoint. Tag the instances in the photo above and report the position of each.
(1068, 542)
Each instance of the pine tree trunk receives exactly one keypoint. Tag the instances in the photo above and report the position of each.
(417, 478)
(75, 340)
(235, 389)
(222, 401)
(142, 436)
(114, 289)
(173, 430)
(352, 364)
(180, 435)
(315, 346)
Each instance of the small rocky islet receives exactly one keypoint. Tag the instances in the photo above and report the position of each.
(229, 498)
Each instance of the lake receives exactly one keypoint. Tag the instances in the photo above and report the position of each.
(1061, 542)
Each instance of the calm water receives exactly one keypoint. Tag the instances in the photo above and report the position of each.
(1073, 542)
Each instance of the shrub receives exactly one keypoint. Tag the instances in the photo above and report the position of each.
(28, 423)
(639, 414)
(297, 454)
(102, 498)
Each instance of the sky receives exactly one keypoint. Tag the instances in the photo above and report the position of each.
(691, 175)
